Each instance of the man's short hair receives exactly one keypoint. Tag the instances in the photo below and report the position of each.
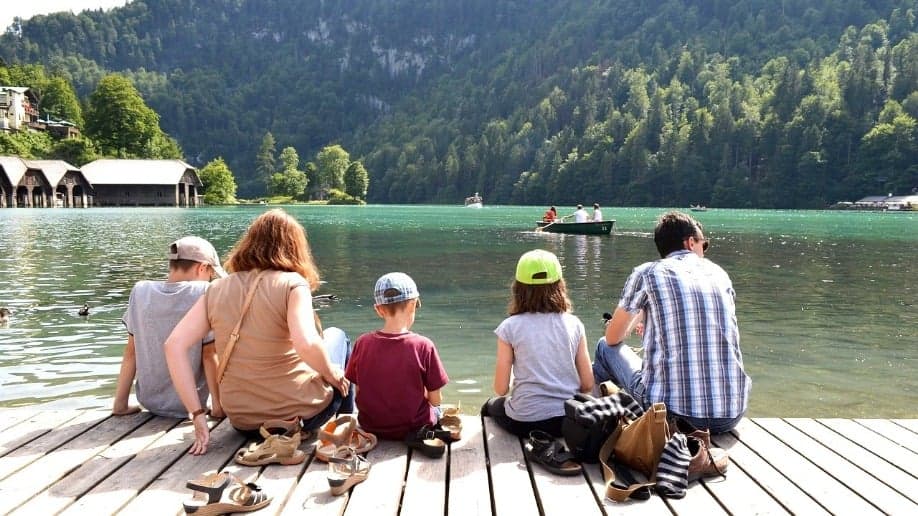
(672, 229)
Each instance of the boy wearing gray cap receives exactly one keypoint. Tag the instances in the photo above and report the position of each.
(397, 372)
(154, 308)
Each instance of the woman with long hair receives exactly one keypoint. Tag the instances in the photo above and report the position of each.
(275, 366)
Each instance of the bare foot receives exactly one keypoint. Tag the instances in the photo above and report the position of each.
(125, 411)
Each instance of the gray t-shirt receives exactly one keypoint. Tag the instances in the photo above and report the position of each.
(154, 309)
(544, 370)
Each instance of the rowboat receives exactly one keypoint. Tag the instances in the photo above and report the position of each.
(578, 228)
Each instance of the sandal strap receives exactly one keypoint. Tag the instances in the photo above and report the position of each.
(209, 485)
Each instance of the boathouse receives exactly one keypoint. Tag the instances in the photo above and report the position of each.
(42, 184)
(144, 182)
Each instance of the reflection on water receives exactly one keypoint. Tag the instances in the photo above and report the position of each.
(827, 307)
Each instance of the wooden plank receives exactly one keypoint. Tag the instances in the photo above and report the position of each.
(697, 500)
(34, 449)
(312, 495)
(468, 489)
(890, 451)
(425, 485)
(84, 478)
(381, 492)
(893, 432)
(511, 486)
(33, 427)
(279, 481)
(559, 495)
(770, 481)
(651, 507)
(839, 467)
(27, 482)
(739, 493)
(13, 416)
(830, 492)
(911, 424)
(898, 480)
(170, 448)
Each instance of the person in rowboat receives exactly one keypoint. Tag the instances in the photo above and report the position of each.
(551, 214)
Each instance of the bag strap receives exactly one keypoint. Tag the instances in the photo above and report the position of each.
(234, 336)
(608, 472)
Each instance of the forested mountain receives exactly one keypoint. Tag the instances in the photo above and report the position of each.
(765, 103)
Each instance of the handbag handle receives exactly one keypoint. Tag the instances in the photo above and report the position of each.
(608, 473)
(234, 335)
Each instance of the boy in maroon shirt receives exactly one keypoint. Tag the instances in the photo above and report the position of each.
(397, 372)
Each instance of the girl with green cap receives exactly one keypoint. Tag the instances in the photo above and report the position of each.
(542, 347)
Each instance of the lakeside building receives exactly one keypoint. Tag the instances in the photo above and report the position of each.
(144, 182)
(42, 184)
(18, 108)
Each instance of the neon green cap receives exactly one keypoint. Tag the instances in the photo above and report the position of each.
(538, 267)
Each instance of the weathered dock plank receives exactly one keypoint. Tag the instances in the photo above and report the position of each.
(32, 427)
(381, 492)
(47, 441)
(103, 464)
(468, 474)
(832, 494)
(88, 462)
(880, 445)
(511, 486)
(32, 479)
(902, 482)
(10, 417)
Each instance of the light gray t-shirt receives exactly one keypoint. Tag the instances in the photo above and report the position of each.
(154, 309)
(544, 371)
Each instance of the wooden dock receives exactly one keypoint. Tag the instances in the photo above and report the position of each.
(87, 462)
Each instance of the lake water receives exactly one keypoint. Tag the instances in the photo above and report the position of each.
(827, 301)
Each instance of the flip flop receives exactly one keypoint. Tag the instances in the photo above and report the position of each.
(451, 420)
(223, 493)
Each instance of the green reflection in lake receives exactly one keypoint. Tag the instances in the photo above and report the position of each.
(827, 304)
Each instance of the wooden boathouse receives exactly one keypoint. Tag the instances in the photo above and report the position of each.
(42, 184)
(144, 182)
(89, 462)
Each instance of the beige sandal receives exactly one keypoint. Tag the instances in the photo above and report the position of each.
(333, 435)
(275, 449)
(451, 420)
(346, 469)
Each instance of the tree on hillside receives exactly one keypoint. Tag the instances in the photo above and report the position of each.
(76, 151)
(120, 122)
(289, 181)
(219, 183)
(60, 102)
(356, 180)
(265, 162)
(331, 162)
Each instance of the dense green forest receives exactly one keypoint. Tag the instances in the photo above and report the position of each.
(749, 103)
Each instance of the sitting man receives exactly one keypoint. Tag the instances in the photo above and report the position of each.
(154, 308)
(692, 360)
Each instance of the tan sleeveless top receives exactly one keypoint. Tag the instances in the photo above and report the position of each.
(265, 378)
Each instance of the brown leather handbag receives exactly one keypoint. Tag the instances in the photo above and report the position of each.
(637, 444)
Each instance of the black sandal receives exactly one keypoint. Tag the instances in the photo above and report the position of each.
(544, 450)
(427, 440)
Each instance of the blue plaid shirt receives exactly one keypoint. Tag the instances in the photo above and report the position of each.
(692, 358)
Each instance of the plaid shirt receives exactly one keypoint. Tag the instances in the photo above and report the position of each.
(692, 358)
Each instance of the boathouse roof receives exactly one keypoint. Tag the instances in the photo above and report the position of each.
(137, 172)
(53, 169)
(14, 168)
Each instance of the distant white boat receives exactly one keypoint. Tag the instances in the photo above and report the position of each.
(474, 201)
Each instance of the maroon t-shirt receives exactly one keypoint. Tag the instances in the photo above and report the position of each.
(391, 372)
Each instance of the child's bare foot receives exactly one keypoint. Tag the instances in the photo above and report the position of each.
(126, 410)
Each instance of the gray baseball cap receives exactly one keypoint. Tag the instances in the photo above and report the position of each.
(198, 250)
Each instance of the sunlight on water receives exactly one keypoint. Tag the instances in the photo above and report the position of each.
(826, 300)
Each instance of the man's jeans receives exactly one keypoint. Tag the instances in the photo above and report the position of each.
(622, 365)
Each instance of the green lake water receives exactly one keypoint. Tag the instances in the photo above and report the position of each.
(827, 301)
